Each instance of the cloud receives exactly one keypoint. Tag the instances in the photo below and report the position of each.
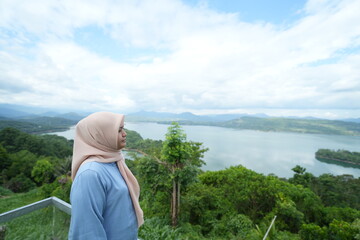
(208, 60)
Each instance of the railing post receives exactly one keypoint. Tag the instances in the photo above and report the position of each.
(2, 232)
(267, 232)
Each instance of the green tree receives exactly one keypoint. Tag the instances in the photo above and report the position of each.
(301, 177)
(233, 227)
(182, 160)
(14, 141)
(155, 183)
(356, 227)
(20, 183)
(8, 137)
(60, 188)
(341, 230)
(288, 216)
(22, 162)
(63, 166)
(5, 163)
(43, 171)
(312, 231)
(299, 170)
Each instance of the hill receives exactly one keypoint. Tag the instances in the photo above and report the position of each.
(272, 124)
(36, 125)
(315, 126)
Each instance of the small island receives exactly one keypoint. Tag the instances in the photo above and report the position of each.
(342, 157)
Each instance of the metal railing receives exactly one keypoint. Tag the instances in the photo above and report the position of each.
(58, 203)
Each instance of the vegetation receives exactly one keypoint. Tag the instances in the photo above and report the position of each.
(277, 124)
(38, 125)
(182, 161)
(237, 203)
(179, 200)
(28, 160)
(343, 156)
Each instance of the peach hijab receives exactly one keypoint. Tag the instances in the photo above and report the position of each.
(97, 139)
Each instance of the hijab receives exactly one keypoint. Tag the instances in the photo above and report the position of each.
(97, 139)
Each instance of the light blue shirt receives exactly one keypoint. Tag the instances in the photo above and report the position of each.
(101, 205)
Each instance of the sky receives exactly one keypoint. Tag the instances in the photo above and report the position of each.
(279, 57)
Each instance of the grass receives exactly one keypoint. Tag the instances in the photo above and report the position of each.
(12, 201)
(46, 223)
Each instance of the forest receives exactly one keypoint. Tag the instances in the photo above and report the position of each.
(180, 201)
(278, 124)
(38, 125)
(339, 156)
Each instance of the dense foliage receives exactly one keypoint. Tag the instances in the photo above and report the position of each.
(28, 160)
(336, 191)
(234, 203)
(339, 156)
(39, 124)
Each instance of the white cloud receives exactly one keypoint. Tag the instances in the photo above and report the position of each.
(212, 60)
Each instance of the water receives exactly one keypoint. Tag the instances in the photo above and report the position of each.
(263, 152)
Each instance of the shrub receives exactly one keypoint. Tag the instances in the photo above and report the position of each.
(5, 192)
(20, 183)
(59, 188)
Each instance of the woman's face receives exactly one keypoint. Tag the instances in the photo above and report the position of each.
(122, 135)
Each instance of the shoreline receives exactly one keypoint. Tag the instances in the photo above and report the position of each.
(337, 160)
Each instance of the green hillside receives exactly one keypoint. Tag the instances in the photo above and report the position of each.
(39, 124)
(295, 125)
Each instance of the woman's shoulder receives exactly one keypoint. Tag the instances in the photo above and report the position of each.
(95, 171)
(95, 168)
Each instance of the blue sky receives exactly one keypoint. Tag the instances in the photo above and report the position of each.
(278, 57)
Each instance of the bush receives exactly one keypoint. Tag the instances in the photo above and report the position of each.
(43, 171)
(20, 183)
(313, 232)
(234, 225)
(341, 230)
(5, 192)
(60, 188)
(156, 228)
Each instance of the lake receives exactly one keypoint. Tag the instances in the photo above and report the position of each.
(263, 152)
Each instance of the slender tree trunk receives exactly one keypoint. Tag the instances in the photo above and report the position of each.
(178, 200)
(174, 205)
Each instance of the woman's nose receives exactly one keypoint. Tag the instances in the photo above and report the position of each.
(124, 133)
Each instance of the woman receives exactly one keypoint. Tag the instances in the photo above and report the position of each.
(104, 194)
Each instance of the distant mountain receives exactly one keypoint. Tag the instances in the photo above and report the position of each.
(275, 124)
(38, 124)
(15, 111)
(144, 116)
(71, 116)
(227, 117)
(49, 121)
(356, 120)
(11, 113)
(49, 114)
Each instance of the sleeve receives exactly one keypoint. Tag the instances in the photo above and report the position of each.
(88, 201)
